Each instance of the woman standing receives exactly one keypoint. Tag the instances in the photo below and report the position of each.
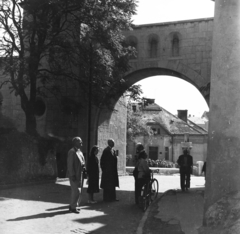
(93, 174)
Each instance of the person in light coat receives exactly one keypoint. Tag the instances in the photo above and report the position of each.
(75, 168)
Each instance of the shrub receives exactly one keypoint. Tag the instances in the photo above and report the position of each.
(160, 163)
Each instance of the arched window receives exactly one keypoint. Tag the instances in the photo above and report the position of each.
(132, 41)
(153, 46)
(175, 46)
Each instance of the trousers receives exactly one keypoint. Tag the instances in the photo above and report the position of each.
(75, 194)
(185, 179)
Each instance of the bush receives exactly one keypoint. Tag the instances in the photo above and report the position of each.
(160, 163)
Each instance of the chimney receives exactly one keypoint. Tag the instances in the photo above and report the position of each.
(182, 114)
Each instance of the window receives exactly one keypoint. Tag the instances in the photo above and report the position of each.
(153, 44)
(156, 131)
(166, 153)
(153, 153)
(134, 108)
(175, 46)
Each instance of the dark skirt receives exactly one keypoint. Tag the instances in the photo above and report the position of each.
(93, 184)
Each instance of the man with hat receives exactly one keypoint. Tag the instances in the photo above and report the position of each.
(75, 168)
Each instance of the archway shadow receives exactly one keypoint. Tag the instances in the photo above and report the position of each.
(48, 192)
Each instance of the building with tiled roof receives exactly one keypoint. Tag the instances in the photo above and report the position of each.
(200, 121)
(168, 133)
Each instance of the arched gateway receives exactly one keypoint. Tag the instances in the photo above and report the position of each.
(181, 49)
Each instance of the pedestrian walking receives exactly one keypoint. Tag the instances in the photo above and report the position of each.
(75, 168)
(109, 180)
(185, 162)
(143, 175)
(93, 174)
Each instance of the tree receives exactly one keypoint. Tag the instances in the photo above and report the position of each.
(53, 42)
(136, 125)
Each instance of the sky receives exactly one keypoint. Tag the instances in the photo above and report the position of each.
(183, 95)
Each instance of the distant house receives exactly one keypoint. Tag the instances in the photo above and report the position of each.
(200, 121)
(168, 133)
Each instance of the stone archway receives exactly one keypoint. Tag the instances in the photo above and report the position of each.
(113, 124)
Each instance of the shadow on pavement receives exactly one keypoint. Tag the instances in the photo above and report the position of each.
(110, 217)
(40, 216)
(50, 192)
(116, 217)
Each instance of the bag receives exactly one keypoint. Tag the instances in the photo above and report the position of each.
(135, 173)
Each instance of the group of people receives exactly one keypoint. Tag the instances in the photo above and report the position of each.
(77, 168)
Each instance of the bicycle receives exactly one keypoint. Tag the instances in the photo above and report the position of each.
(149, 193)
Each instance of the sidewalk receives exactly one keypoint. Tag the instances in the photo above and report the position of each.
(176, 212)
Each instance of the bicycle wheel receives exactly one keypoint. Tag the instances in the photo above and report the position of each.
(154, 189)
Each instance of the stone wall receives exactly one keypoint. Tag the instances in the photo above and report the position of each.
(113, 125)
(193, 60)
(20, 161)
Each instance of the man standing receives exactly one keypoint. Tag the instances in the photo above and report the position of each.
(108, 165)
(185, 162)
(75, 167)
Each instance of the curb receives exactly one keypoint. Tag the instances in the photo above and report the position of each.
(145, 216)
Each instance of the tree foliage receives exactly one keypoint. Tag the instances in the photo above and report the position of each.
(136, 125)
(48, 44)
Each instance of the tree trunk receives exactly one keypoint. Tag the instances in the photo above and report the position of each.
(31, 123)
(28, 108)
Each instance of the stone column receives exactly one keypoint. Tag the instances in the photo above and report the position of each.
(223, 160)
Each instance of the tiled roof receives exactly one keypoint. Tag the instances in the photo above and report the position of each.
(173, 124)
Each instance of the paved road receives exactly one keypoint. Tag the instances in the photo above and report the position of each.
(39, 209)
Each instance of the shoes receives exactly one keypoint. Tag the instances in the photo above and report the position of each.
(92, 202)
(76, 211)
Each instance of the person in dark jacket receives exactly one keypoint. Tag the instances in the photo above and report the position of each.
(185, 162)
(109, 180)
(140, 153)
(93, 174)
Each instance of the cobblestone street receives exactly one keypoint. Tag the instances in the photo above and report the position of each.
(43, 208)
